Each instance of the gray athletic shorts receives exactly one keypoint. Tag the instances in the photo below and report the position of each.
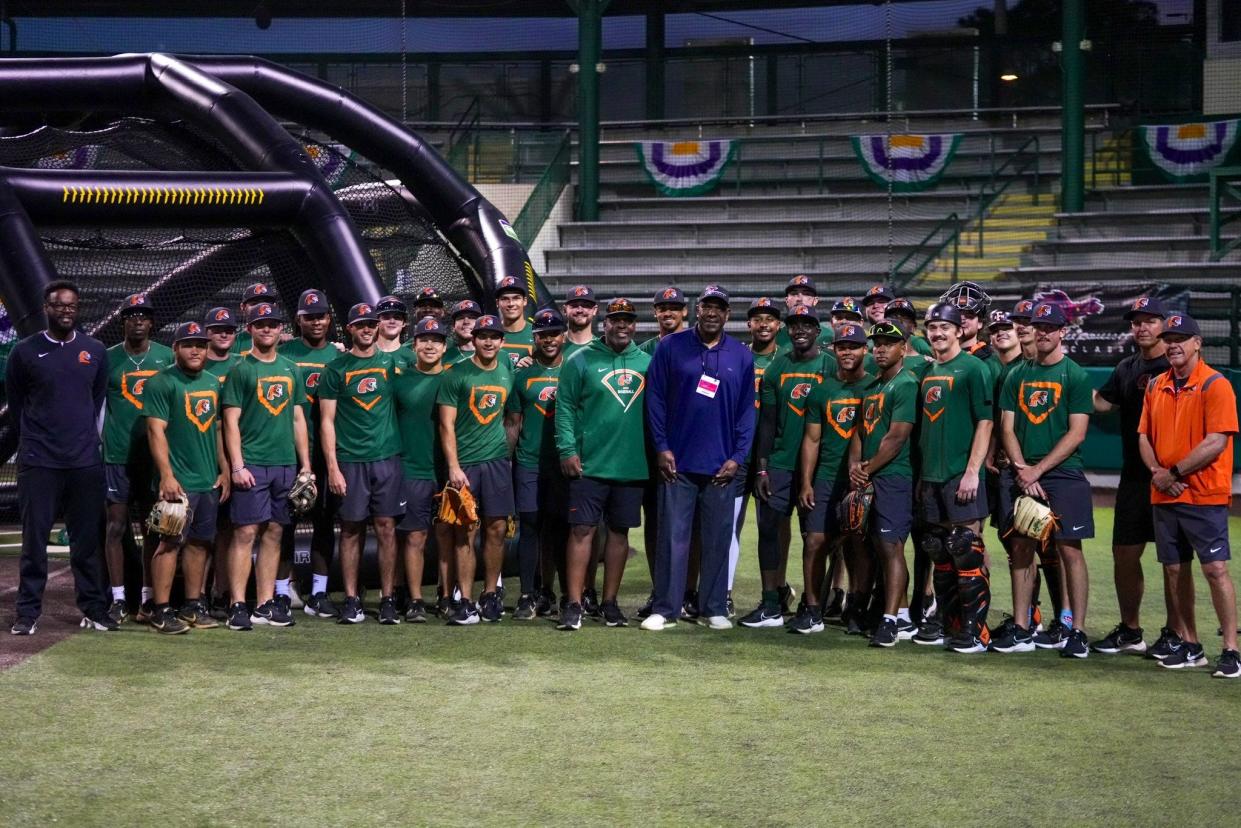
(371, 490)
(492, 486)
(892, 510)
(418, 497)
(1181, 529)
(939, 503)
(267, 500)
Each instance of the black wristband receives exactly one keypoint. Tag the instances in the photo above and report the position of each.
(1175, 472)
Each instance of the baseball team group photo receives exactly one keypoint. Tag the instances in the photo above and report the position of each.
(378, 448)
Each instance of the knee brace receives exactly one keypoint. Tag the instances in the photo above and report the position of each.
(933, 543)
(966, 549)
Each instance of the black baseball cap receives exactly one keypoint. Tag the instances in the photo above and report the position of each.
(429, 296)
(901, 307)
(801, 282)
(430, 326)
(137, 303)
(1181, 324)
(488, 323)
(1048, 313)
(1022, 310)
(189, 330)
(715, 292)
(1146, 304)
(311, 302)
(256, 292)
(510, 284)
(878, 293)
(221, 318)
(264, 310)
(466, 306)
(581, 293)
(849, 332)
(888, 330)
(362, 312)
(998, 319)
(848, 305)
(805, 314)
(670, 296)
(763, 304)
(391, 304)
(547, 319)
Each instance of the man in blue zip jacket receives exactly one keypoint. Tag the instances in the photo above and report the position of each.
(56, 382)
(700, 414)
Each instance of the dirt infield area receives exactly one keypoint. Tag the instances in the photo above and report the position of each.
(60, 615)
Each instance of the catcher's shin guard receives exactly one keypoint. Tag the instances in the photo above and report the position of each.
(973, 580)
(944, 578)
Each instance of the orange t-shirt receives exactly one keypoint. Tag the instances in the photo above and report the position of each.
(1175, 421)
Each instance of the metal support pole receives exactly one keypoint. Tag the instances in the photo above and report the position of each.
(589, 50)
(1073, 116)
(655, 75)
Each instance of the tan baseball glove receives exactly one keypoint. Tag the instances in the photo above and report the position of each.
(853, 512)
(170, 517)
(1033, 518)
(303, 494)
(457, 507)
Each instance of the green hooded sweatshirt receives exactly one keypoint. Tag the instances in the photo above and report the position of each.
(600, 411)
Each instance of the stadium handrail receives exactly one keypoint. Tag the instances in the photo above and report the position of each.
(1224, 181)
(546, 193)
(951, 221)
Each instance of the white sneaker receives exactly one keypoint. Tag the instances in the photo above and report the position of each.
(656, 622)
(295, 599)
(718, 622)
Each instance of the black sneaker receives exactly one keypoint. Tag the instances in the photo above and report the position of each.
(217, 607)
(465, 615)
(930, 634)
(388, 614)
(444, 608)
(320, 606)
(808, 621)
(24, 626)
(885, 634)
(852, 618)
(590, 603)
(966, 645)
(352, 612)
(416, 613)
(612, 615)
(905, 629)
(239, 617)
(527, 608)
(1075, 645)
(689, 606)
(1005, 627)
(271, 613)
(490, 608)
(1121, 639)
(1228, 666)
(166, 622)
(570, 617)
(835, 606)
(1186, 655)
(646, 609)
(286, 602)
(1167, 644)
(196, 615)
(1012, 638)
(730, 609)
(786, 599)
(1052, 638)
(117, 611)
(545, 602)
(146, 611)
(760, 617)
(100, 623)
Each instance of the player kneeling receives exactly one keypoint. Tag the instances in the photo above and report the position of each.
(180, 407)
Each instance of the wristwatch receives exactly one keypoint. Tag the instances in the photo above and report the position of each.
(1175, 472)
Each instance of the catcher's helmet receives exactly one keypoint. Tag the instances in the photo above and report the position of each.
(967, 296)
(944, 312)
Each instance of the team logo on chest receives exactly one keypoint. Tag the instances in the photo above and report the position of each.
(799, 391)
(872, 410)
(1038, 400)
(935, 392)
(487, 401)
(132, 385)
(625, 384)
(546, 396)
(200, 408)
(274, 393)
(365, 386)
(841, 415)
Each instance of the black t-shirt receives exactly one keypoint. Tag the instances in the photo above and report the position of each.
(1125, 389)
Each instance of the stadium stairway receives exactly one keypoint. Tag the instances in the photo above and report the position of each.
(1012, 225)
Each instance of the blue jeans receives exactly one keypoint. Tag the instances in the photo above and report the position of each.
(689, 502)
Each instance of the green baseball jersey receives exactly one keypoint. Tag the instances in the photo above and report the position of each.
(310, 362)
(267, 393)
(1005, 370)
(534, 398)
(600, 412)
(836, 406)
(955, 396)
(404, 355)
(243, 343)
(1042, 398)
(990, 360)
(416, 422)
(649, 346)
(453, 353)
(786, 385)
(479, 395)
(761, 361)
(219, 368)
(365, 413)
(124, 432)
(571, 348)
(190, 405)
(918, 365)
(921, 345)
(885, 403)
(518, 344)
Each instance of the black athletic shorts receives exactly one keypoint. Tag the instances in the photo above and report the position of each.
(1133, 523)
(938, 503)
(618, 502)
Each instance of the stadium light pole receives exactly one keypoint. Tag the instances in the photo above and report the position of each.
(655, 33)
(589, 50)
(1072, 115)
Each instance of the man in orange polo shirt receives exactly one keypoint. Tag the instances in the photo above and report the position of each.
(1185, 436)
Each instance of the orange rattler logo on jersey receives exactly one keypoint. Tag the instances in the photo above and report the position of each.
(800, 392)
(274, 393)
(841, 415)
(487, 401)
(621, 384)
(200, 408)
(935, 390)
(1039, 399)
(367, 385)
(872, 411)
(134, 391)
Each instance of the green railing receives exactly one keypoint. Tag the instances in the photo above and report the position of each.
(948, 231)
(545, 194)
(1225, 182)
(1021, 164)
(463, 140)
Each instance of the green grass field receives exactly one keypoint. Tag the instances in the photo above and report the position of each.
(519, 724)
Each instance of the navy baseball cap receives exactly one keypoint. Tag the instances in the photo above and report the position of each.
(430, 326)
(944, 312)
(670, 296)
(1146, 304)
(429, 296)
(189, 330)
(259, 291)
(362, 312)
(510, 284)
(621, 307)
(1181, 324)
(488, 323)
(466, 306)
(763, 304)
(901, 307)
(849, 332)
(137, 303)
(888, 330)
(998, 319)
(312, 302)
(581, 293)
(1021, 311)
(1048, 313)
(715, 292)
(805, 314)
(801, 282)
(221, 318)
(848, 305)
(878, 293)
(391, 304)
(547, 319)
(264, 310)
